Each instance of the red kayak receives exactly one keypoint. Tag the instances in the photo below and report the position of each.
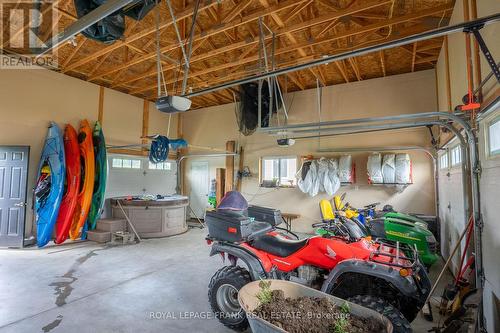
(73, 171)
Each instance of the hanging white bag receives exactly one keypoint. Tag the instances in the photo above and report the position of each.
(332, 181)
(313, 173)
(374, 167)
(388, 168)
(304, 184)
(403, 169)
(345, 169)
(322, 172)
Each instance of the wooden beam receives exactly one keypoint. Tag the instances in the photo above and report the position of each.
(447, 70)
(426, 59)
(230, 146)
(244, 71)
(99, 64)
(413, 56)
(295, 80)
(431, 46)
(207, 33)
(188, 12)
(220, 184)
(240, 169)
(382, 61)
(342, 71)
(286, 49)
(296, 11)
(100, 109)
(236, 11)
(468, 51)
(145, 121)
(72, 54)
(180, 124)
(281, 24)
(327, 28)
(127, 152)
(477, 58)
(355, 67)
(288, 29)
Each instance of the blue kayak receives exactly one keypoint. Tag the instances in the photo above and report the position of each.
(49, 188)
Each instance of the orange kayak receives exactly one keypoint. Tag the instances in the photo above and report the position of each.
(73, 170)
(87, 180)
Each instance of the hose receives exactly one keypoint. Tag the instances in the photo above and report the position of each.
(159, 149)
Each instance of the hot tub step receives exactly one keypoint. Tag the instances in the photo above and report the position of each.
(99, 236)
(111, 225)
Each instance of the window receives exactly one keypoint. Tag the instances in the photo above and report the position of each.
(443, 161)
(160, 166)
(456, 155)
(278, 171)
(126, 163)
(494, 137)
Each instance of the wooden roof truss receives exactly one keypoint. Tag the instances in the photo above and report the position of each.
(226, 44)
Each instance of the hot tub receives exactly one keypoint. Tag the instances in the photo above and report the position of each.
(154, 218)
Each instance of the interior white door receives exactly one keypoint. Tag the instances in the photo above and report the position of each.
(199, 187)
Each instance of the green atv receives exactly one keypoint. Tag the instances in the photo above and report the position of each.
(393, 226)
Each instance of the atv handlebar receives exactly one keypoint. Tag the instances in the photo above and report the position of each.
(372, 205)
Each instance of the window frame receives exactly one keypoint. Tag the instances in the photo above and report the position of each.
(279, 158)
(121, 158)
(148, 166)
(445, 154)
(488, 124)
(452, 150)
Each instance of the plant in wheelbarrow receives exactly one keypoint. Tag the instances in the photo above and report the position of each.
(381, 276)
(283, 306)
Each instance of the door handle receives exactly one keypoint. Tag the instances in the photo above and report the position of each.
(20, 204)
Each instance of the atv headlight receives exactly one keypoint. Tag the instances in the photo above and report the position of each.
(430, 239)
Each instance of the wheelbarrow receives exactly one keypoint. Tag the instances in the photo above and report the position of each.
(247, 297)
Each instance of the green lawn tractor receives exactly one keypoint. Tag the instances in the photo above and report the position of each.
(396, 227)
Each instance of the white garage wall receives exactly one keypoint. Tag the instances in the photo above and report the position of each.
(490, 199)
(391, 95)
(451, 207)
(489, 181)
(32, 98)
(136, 182)
(139, 181)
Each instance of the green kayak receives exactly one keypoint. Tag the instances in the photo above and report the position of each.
(101, 173)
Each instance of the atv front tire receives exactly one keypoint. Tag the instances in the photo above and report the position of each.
(223, 296)
(399, 322)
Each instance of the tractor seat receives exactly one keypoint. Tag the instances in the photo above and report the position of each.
(277, 245)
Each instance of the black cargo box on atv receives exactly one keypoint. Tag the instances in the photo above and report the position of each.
(264, 214)
(233, 227)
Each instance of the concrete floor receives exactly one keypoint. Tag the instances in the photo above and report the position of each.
(87, 287)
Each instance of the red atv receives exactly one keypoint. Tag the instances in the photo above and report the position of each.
(383, 276)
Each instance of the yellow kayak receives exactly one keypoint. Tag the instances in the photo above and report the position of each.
(87, 182)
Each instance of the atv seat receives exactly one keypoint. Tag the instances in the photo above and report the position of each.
(277, 245)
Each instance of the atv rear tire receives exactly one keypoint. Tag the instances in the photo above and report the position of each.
(223, 296)
(399, 322)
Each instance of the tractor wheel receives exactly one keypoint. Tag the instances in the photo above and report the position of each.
(223, 296)
(399, 322)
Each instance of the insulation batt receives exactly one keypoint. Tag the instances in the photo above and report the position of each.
(388, 168)
(403, 169)
(345, 169)
(321, 177)
(332, 181)
(374, 167)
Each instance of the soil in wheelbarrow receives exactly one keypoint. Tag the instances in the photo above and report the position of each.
(313, 315)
